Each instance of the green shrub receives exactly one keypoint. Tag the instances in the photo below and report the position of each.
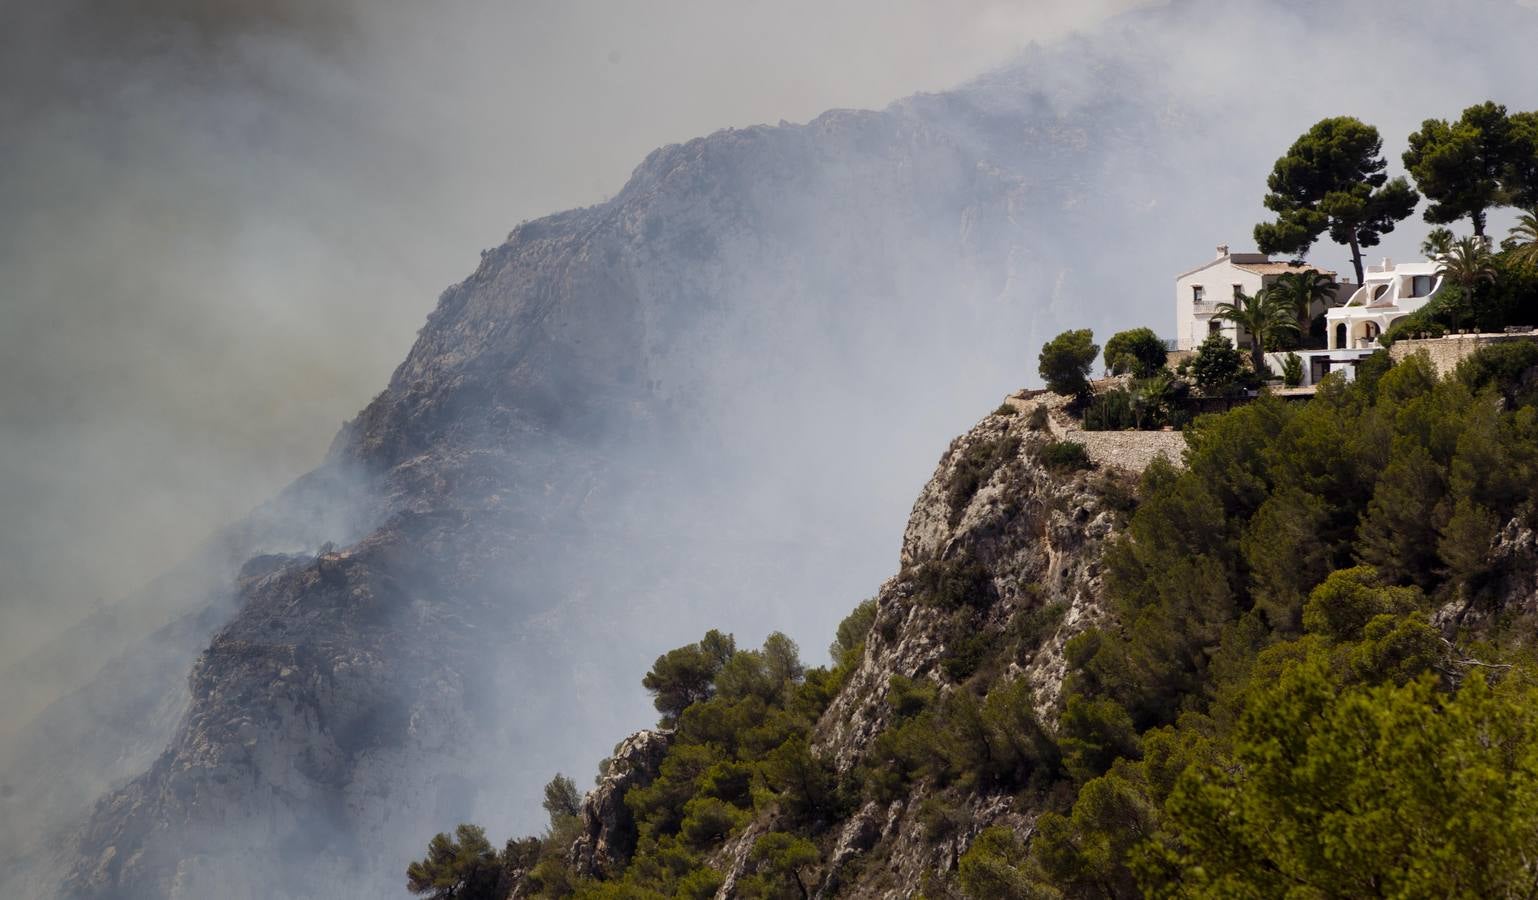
(700, 884)
(954, 583)
(1038, 418)
(849, 638)
(1137, 351)
(1292, 370)
(1434, 319)
(942, 817)
(965, 649)
(1511, 367)
(1066, 456)
(978, 461)
(1031, 628)
(991, 869)
(709, 821)
(907, 697)
(1006, 409)
(1093, 734)
(780, 862)
(1109, 411)
(1217, 366)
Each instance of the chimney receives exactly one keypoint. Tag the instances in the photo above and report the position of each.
(1388, 264)
(1222, 250)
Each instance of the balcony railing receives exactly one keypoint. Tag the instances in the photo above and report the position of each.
(1204, 307)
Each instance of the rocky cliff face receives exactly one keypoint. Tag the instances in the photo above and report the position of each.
(608, 830)
(1037, 536)
(1030, 539)
(684, 405)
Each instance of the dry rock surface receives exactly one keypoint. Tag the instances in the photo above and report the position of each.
(608, 829)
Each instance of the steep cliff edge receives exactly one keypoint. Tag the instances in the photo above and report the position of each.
(1032, 537)
(1000, 567)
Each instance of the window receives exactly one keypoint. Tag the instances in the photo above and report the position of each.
(1420, 286)
(1197, 293)
(1214, 326)
(1238, 291)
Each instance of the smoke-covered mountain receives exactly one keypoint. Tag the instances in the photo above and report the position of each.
(772, 306)
(704, 400)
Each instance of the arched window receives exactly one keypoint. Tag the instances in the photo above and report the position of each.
(1340, 336)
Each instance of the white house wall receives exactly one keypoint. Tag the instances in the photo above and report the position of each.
(1218, 280)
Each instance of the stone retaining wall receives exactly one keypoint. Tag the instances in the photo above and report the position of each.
(1130, 450)
(1446, 352)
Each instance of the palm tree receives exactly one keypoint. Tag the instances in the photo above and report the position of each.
(1524, 238)
(1264, 316)
(1467, 263)
(1300, 291)
(1437, 242)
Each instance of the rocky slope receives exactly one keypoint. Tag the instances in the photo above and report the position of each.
(694, 402)
(1035, 536)
(1038, 535)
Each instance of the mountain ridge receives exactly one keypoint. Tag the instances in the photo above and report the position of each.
(584, 383)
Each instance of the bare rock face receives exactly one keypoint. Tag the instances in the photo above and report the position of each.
(608, 835)
(1513, 588)
(1036, 534)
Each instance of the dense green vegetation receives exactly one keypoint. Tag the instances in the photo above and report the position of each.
(741, 723)
(1275, 713)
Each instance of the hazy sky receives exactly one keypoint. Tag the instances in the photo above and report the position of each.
(223, 221)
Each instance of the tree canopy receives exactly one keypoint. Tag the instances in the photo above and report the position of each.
(1216, 365)
(1065, 361)
(1137, 351)
(462, 867)
(1332, 179)
(1393, 790)
(1466, 167)
(687, 675)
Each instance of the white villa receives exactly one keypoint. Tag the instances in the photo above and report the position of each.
(1391, 293)
(1353, 323)
(1220, 280)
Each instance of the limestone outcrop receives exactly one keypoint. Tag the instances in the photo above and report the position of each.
(608, 834)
